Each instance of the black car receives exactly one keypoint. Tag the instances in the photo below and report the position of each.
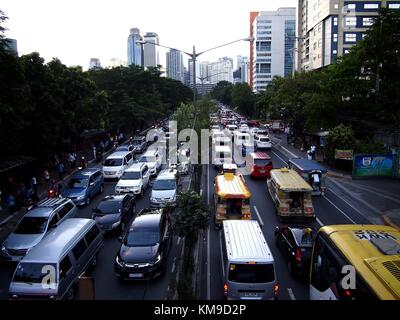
(113, 213)
(144, 247)
(296, 243)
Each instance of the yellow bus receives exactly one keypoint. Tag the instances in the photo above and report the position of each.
(356, 262)
(231, 198)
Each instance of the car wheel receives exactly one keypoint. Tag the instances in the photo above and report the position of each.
(87, 200)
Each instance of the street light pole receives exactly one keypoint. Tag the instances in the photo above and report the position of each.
(194, 75)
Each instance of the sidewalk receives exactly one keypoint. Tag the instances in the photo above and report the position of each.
(280, 142)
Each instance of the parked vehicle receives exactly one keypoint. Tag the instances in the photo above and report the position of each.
(84, 185)
(291, 194)
(295, 243)
(312, 172)
(114, 212)
(65, 254)
(258, 165)
(135, 180)
(144, 247)
(248, 262)
(35, 225)
(165, 189)
(116, 164)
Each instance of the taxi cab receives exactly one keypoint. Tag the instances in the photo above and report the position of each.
(291, 194)
(231, 198)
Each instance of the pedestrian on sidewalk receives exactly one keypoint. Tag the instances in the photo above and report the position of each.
(313, 149)
(94, 151)
(61, 170)
(46, 176)
(11, 203)
(34, 185)
(309, 156)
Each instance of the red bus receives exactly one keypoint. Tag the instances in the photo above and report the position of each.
(259, 164)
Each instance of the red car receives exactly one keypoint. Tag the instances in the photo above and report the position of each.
(259, 164)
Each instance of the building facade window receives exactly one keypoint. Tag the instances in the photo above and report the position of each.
(335, 21)
(346, 51)
(350, 37)
(367, 21)
(394, 5)
(336, 6)
(351, 21)
(371, 6)
(351, 6)
(335, 37)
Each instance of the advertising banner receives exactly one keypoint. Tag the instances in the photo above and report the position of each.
(373, 165)
(343, 154)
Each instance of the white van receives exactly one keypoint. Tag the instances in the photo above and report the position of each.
(248, 262)
(153, 160)
(116, 164)
(241, 138)
(222, 154)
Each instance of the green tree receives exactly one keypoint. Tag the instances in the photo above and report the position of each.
(243, 97)
(340, 137)
(223, 92)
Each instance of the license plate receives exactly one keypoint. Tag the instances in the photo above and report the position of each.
(136, 275)
(250, 294)
(262, 171)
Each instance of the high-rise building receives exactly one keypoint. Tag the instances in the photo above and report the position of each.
(327, 29)
(135, 48)
(116, 62)
(190, 67)
(11, 46)
(271, 51)
(175, 68)
(222, 70)
(203, 74)
(150, 52)
(243, 64)
(94, 63)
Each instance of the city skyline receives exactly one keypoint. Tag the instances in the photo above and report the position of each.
(99, 29)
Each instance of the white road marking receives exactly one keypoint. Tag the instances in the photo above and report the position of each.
(291, 294)
(222, 256)
(319, 221)
(208, 264)
(259, 217)
(291, 153)
(285, 162)
(339, 209)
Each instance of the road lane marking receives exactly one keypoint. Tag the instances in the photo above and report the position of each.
(259, 217)
(319, 221)
(383, 194)
(285, 162)
(208, 264)
(291, 294)
(291, 153)
(339, 209)
(222, 256)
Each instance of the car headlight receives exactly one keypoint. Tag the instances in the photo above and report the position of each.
(116, 224)
(153, 199)
(80, 197)
(158, 259)
(119, 261)
(3, 248)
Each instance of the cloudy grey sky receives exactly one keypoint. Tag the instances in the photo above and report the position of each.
(76, 30)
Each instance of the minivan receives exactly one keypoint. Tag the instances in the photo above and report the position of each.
(35, 225)
(164, 189)
(153, 160)
(248, 262)
(51, 269)
(116, 164)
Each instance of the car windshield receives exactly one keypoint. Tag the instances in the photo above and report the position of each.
(251, 273)
(303, 239)
(164, 184)
(77, 183)
(131, 175)
(261, 162)
(108, 207)
(136, 142)
(264, 139)
(122, 148)
(29, 272)
(142, 238)
(31, 225)
(147, 159)
(113, 162)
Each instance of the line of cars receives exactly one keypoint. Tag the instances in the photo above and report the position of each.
(53, 247)
(249, 264)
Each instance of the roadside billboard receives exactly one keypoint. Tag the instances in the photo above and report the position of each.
(373, 165)
(343, 154)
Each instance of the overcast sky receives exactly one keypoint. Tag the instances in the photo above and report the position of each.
(77, 30)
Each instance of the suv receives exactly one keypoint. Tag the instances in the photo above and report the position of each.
(84, 185)
(144, 247)
(134, 180)
(35, 225)
(262, 142)
(139, 144)
(164, 189)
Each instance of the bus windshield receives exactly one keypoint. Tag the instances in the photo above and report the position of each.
(233, 206)
(251, 273)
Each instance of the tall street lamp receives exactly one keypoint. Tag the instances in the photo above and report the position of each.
(194, 56)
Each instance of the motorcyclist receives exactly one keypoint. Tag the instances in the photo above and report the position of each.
(82, 164)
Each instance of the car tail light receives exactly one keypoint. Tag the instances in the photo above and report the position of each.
(298, 255)
(347, 293)
(276, 291)
(309, 209)
(284, 209)
(225, 289)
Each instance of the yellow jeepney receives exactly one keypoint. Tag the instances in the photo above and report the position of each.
(231, 198)
(291, 194)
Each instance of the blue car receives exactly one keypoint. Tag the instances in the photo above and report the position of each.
(84, 185)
